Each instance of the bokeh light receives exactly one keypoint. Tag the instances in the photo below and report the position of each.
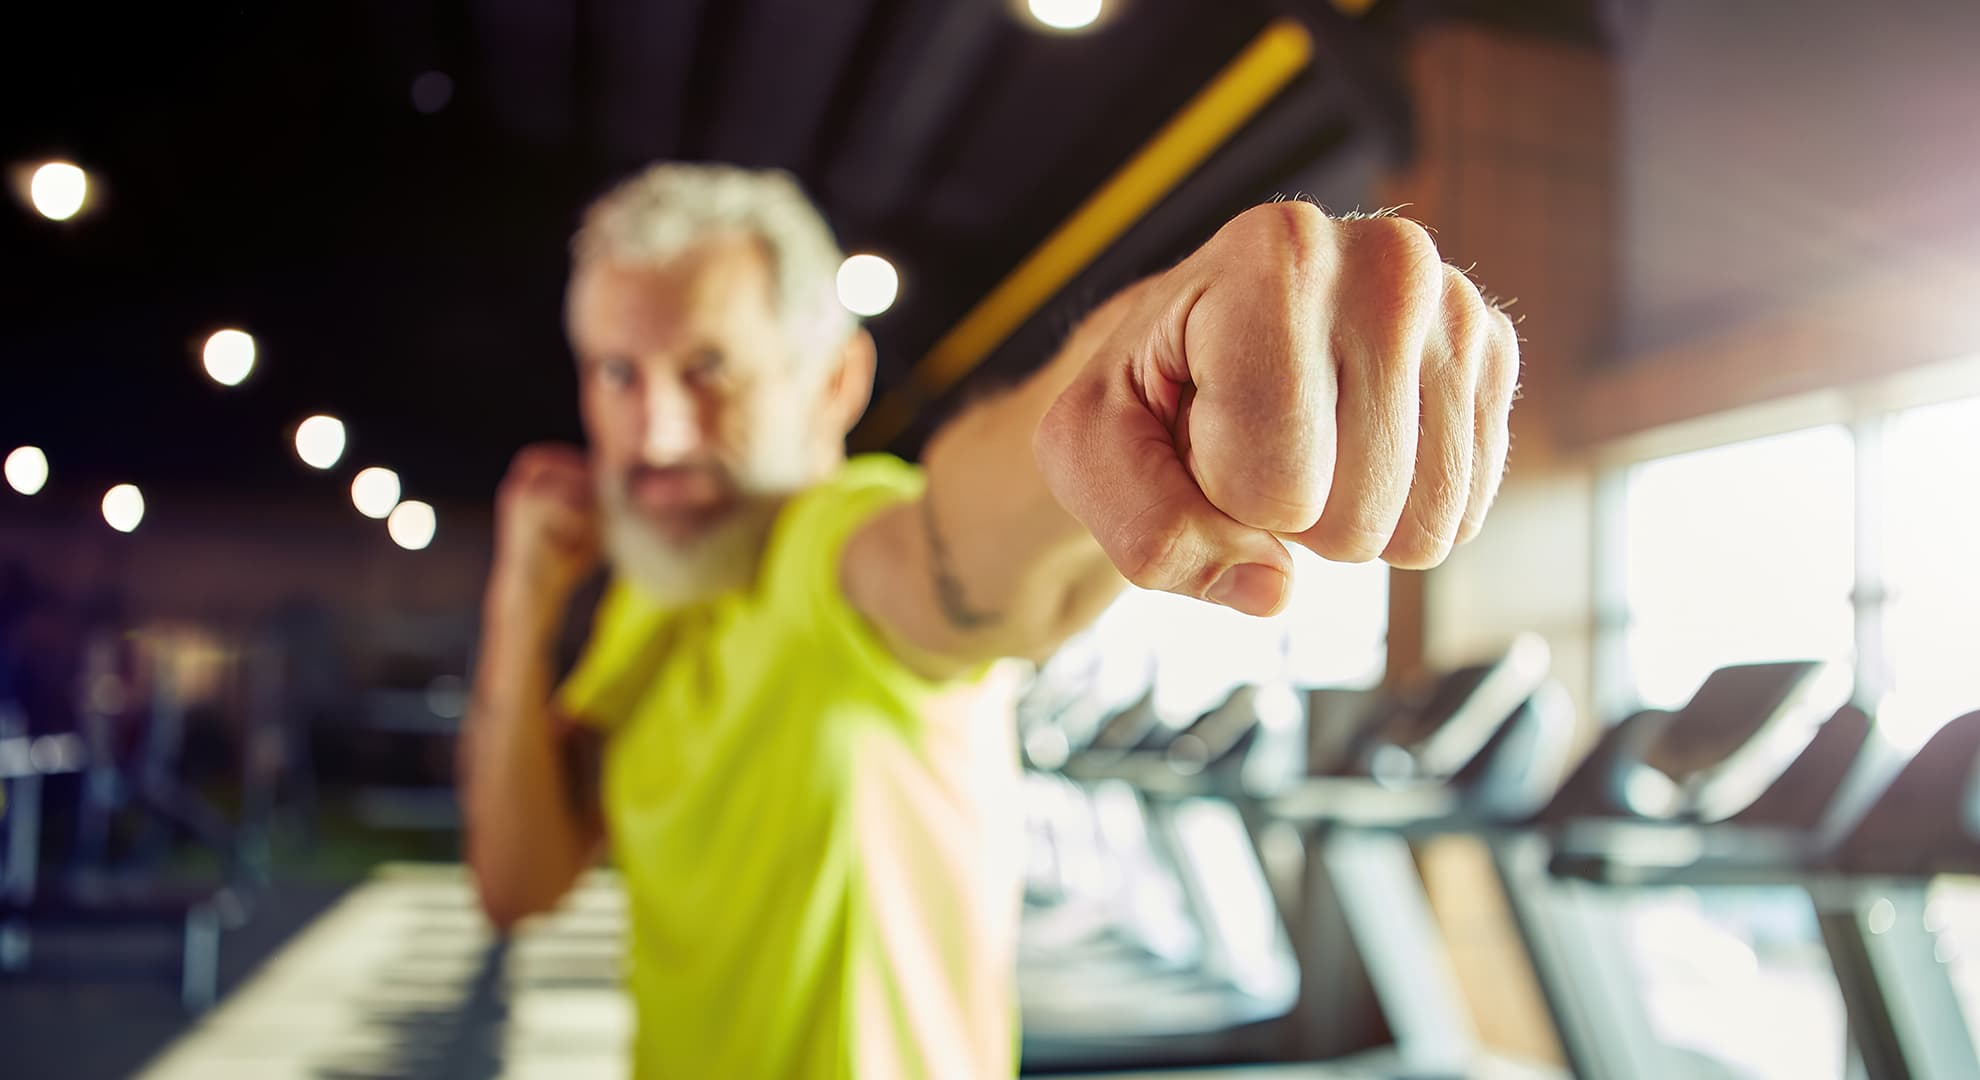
(868, 284)
(27, 470)
(229, 356)
(123, 507)
(1881, 916)
(375, 492)
(447, 697)
(320, 441)
(58, 190)
(431, 91)
(1065, 14)
(412, 525)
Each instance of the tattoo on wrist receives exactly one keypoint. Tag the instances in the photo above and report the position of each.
(948, 588)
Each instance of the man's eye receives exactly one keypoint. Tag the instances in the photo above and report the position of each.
(617, 374)
(707, 365)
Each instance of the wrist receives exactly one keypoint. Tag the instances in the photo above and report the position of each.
(523, 600)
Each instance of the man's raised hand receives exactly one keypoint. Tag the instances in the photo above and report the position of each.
(1329, 382)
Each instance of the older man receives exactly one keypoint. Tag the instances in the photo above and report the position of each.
(806, 817)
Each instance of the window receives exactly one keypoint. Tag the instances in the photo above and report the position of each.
(1932, 537)
(1750, 552)
(1738, 553)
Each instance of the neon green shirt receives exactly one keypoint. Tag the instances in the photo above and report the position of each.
(818, 846)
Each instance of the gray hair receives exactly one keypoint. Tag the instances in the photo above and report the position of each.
(662, 211)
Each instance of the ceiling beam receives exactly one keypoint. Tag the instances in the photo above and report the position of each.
(1210, 118)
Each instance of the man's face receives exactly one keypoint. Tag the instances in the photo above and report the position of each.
(699, 411)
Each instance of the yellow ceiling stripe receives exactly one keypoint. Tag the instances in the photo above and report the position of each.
(1236, 94)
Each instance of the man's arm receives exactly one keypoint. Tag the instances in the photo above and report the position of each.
(986, 564)
(528, 788)
(1328, 382)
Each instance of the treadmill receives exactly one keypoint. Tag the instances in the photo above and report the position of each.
(1191, 949)
(1479, 748)
(1866, 857)
(1737, 766)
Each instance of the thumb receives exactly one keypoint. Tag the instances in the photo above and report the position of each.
(1115, 467)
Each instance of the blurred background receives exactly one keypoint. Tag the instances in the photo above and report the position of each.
(1669, 774)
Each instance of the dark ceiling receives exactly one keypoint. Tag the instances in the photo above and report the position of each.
(264, 166)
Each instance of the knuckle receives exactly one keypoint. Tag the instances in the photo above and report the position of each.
(1417, 549)
(1501, 374)
(1067, 426)
(1298, 236)
(1466, 317)
(1457, 283)
(1052, 439)
(536, 459)
(1470, 527)
(1285, 496)
(1402, 242)
(1504, 336)
(1477, 508)
(1352, 537)
(1396, 283)
(1440, 501)
(1295, 218)
(1425, 535)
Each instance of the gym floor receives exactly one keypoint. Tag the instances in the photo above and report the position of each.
(109, 1030)
(397, 977)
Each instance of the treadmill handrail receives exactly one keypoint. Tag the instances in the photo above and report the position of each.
(1362, 802)
(1505, 687)
(1724, 788)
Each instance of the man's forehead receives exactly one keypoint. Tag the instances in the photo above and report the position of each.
(717, 281)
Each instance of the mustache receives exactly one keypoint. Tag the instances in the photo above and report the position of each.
(678, 496)
(633, 475)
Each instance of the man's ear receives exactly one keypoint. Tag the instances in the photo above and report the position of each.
(849, 387)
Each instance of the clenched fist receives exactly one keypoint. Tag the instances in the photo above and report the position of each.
(1329, 382)
(546, 527)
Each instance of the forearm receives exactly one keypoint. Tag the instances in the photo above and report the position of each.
(529, 830)
(1010, 572)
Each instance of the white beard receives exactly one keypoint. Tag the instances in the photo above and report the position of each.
(721, 560)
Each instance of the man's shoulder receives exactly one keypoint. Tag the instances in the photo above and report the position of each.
(820, 515)
(803, 569)
(810, 585)
(881, 472)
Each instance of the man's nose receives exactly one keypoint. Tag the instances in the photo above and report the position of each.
(673, 423)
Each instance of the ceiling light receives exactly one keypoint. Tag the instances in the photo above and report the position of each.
(375, 492)
(1065, 14)
(320, 441)
(58, 190)
(27, 469)
(868, 284)
(123, 507)
(229, 356)
(412, 525)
